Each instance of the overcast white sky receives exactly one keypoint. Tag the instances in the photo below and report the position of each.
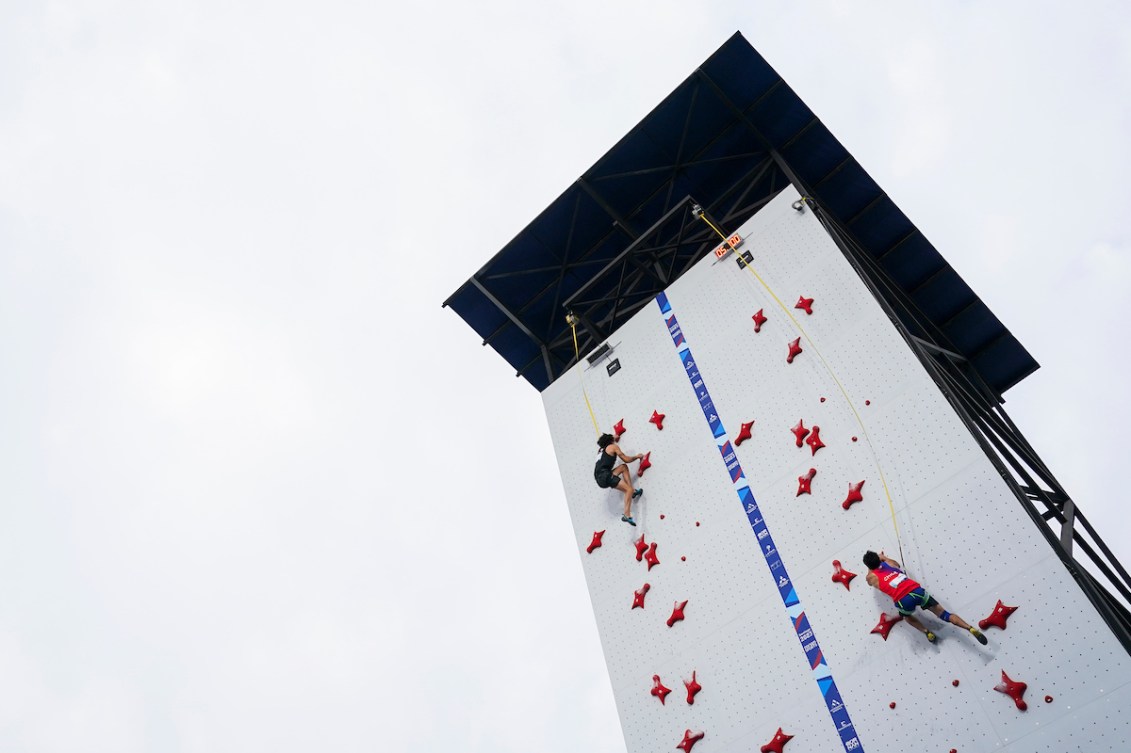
(259, 492)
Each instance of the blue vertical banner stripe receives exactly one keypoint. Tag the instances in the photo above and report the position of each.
(794, 609)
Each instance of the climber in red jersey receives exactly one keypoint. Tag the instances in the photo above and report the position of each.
(885, 575)
(620, 477)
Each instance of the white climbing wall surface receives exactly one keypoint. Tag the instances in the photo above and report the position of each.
(774, 642)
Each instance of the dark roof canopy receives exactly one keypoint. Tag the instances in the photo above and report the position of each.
(729, 138)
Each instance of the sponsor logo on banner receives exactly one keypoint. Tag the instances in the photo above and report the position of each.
(789, 596)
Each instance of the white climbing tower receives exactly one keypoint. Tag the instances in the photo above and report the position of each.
(745, 535)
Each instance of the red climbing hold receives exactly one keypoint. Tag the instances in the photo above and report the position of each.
(794, 349)
(697, 524)
(618, 430)
(744, 434)
(954, 683)
(854, 495)
(842, 576)
(759, 320)
(677, 612)
(822, 399)
(997, 617)
(804, 482)
(659, 690)
(661, 516)
(805, 304)
(886, 624)
(645, 464)
(891, 705)
(867, 402)
(641, 547)
(693, 687)
(776, 745)
(800, 432)
(651, 557)
(1048, 699)
(596, 542)
(638, 596)
(683, 559)
(1013, 689)
(657, 419)
(814, 440)
(854, 439)
(689, 741)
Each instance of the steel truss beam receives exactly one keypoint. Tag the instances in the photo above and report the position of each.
(662, 253)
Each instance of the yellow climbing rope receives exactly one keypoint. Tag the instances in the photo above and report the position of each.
(571, 320)
(863, 429)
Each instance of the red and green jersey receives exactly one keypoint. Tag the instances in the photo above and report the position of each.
(894, 582)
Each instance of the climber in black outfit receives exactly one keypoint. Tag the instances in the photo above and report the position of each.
(620, 477)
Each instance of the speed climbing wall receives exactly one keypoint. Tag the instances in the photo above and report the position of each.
(799, 430)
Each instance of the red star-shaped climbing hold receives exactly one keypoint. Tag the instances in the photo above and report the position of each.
(794, 349)
(651, 557)
(744, 434)
(804, 482)
(659, 690)
(841, 575)
(677, 612)
(886, 624)
(997, 617)
(814, 440)
(805, 304)
(641, 547)
(689, 741)
(595, 543)
(776, 745)
(759, 319)
(657, 419)
(693, 687)
(1013, 689)
(800, 432)
(638, 596)
(618, 430)
(854, 495)
(645, 464)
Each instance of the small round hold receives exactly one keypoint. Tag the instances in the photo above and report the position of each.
(661, 516)
(891, 705)
(954, 750)
(1048, 699)
(867, 402)
(822, 399)
(854, 439)
(697, 524)
(954, 683)
(683, 559)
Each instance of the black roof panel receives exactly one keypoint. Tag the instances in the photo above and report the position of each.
(730, 137)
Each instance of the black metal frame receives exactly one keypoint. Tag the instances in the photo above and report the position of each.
(648, 265)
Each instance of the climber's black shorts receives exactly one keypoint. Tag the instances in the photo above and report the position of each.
(607, 479)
